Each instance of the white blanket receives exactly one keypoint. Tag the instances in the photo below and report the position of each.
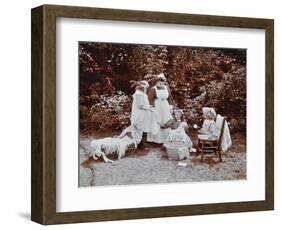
(226, 138)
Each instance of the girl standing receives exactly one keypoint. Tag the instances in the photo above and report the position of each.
(141, 115)
(161, 99)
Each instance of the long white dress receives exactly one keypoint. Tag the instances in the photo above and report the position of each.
(141, 117)
(162, 115)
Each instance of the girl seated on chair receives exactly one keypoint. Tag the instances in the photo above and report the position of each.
(209, 125)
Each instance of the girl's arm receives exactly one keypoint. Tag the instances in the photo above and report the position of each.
(170, 98)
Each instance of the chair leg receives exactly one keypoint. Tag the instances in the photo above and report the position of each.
(220, 155)
(202, 152)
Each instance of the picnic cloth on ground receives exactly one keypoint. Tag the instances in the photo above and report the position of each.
(226, 138)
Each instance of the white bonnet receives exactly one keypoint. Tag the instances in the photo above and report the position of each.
(161, 76)
(145, 83)
(209, 111)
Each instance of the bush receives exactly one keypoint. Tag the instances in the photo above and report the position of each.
(197, 77)
(111, 112)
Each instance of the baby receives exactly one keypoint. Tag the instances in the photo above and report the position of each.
(209, 125)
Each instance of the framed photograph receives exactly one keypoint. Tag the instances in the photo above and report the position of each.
(140, 114)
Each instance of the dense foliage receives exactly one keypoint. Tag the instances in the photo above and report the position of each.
(197, 77)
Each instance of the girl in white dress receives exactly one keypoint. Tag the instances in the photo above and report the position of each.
(160, 96)
(141, 115)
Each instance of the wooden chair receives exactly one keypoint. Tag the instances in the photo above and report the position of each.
(209, 144)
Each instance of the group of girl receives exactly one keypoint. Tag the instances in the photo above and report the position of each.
(153, 114)
(152, 111)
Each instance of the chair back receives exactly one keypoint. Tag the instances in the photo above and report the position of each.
(221, 131)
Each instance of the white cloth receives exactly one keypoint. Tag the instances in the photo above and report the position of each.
(136, 134)
(109, 145)
(162, 115)
(226, 138)
(141, 117)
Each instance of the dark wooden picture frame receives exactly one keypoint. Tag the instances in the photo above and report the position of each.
(43, 188)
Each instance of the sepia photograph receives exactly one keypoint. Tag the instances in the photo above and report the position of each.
(141, 114)
(151, 114)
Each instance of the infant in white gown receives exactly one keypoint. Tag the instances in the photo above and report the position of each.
(209, 126)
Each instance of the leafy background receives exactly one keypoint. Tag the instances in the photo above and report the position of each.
(197, 77)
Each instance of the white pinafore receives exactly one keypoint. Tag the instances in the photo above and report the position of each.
(162, 115)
